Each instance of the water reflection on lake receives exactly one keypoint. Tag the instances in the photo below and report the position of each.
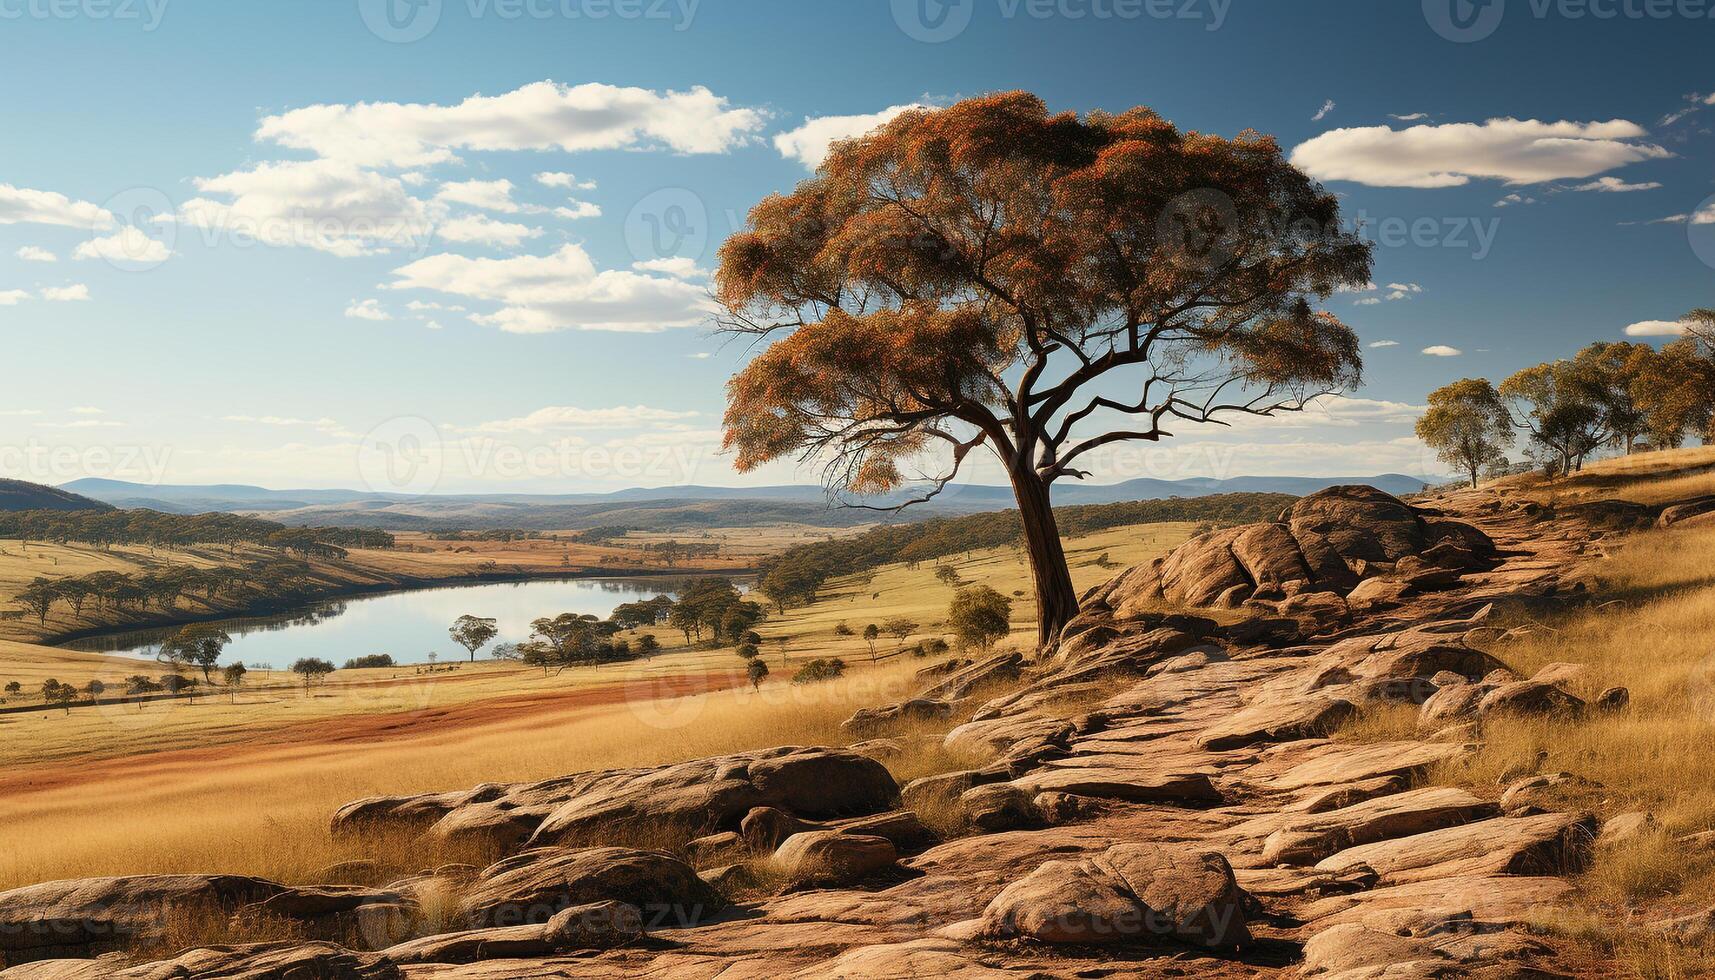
(407, 625)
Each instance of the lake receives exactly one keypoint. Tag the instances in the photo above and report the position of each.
(408, 625)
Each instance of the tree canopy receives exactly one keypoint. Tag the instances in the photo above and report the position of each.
(993, 275)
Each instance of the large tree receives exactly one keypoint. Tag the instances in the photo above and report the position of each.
(1467, 424)
(990, 275)
(198, 645)
(1676, 390)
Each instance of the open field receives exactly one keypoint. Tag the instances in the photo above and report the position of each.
(172, 769)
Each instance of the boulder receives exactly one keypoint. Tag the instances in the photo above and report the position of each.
(533, 887)
(1686, 511)
(828, 858)
(1531, 697)
(1542, 793)
(998, 807)
(89, 914)
(1613, 699)
(1062, 808)
(1627, 828)
(1130, 893)
(600, 925)
(1358, 522)
(870, 720)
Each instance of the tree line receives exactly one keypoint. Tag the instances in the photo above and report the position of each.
(105, 528)
(1623, 396)
(278, 580)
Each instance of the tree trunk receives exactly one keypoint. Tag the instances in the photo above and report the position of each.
(1056, 602)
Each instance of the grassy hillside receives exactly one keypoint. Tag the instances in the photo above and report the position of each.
(18, 495)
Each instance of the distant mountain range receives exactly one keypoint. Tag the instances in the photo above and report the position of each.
(667, 508)
(18, 495)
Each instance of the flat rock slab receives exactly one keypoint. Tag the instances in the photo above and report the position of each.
(1504, 899)
(1549, 843)
(1339, 763)
(264, 961)
(1132, 785)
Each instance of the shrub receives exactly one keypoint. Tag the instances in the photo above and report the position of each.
(979, 616)
(841, 629)
(820, 669)
(748, 651)
(370, 661)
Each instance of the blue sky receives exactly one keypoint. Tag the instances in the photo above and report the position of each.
(260, 192)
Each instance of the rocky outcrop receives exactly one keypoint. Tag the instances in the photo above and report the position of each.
(535, 886)
(1326, 543)
(689, 800)
(599, 925)
(266, 961)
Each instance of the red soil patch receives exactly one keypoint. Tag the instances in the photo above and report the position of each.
(305, 740)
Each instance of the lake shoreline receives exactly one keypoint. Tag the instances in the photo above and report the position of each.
(365, 590)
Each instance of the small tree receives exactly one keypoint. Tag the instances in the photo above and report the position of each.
(53, 692)
(871, 633)
(948, 575)
(234, 677)
(14, 688)
(748, 651)
(1467, 425)
(757, 671)
(473, 633)
(198, 645)
(648, 646)
(312, 670)
(979, 616)
(95, 689)
(899, 628)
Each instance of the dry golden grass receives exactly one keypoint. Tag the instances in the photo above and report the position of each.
(1644, 478)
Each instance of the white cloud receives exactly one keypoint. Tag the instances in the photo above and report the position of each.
(702, 355)
(579, 209)
(560, 291)
(1402, 290)
(1442, 350)
(565, 417)
(678, 267)
(1383, 343)
(1409, 117)
(88, 410)
(481, 229)
(489, 195)
(1368, 301)
(1517, 151)
(66, 294)
(564, 180)
(539, 116)
(322, 424)
(322, 204)
(418, 306)
(1614, 185)
(368, 309)
(1656, 328)
(21, 205)
(125, 245)
(809, 144)
(1514, 198)
(12, 297)
(31, 253)
(1323, 112)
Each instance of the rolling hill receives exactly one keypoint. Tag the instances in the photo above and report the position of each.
(668, 508)
(18, 495)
